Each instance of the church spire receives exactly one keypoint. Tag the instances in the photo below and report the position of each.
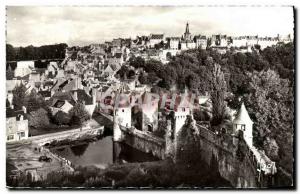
(187, 30)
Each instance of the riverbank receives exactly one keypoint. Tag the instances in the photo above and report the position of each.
(147, 175)
(23, 156)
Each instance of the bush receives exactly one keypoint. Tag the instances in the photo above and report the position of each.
(61, 118)
(38, 118)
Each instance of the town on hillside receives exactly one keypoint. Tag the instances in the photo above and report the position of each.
(216, 109)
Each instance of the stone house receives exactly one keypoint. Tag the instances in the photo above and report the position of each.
(16, 122)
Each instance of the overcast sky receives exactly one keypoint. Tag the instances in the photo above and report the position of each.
(84, 25)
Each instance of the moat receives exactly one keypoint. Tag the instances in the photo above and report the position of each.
(100, 153)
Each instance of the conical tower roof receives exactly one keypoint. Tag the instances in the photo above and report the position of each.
(242, 116)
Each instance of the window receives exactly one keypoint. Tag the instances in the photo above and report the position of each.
(22, 134)
(10, 137)
(243, 127)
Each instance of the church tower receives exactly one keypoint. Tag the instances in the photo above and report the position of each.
(187, 34)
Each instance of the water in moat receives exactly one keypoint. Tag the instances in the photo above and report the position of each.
(101, 153)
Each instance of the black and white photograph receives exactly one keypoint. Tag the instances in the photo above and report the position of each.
(150, 97)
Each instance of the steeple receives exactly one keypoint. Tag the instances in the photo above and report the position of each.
(187, 30)
(187, 35)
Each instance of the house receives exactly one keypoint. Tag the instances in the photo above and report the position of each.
(37, 75)
(219, 40)
(11, 84)
(201, 41)
(71, 66)
(16, 122)
(45, 94)
(24, 68)
(89, 100)
(60, 74)
(60, 105)
(52, 68)
(64, 101)
(173, 43)
(110, 70)
(155, 39)
(117, 42)
(116, 59)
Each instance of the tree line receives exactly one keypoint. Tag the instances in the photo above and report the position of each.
(55, 51)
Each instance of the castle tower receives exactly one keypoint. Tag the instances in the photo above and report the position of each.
(122, 118)
(244, 123)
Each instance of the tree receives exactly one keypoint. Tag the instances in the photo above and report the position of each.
(79, 114)
(218, 95)
(38, 118)
(62, 118)
(271, 105)
(19, 94)
(33, 101)
(10, 53)
(137, 62)
(201, 115)
(56, 51)
(9, 73)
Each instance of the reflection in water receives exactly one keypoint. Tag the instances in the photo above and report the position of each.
(79, 150)
(124, 153)
(98, 153)
(101, 153)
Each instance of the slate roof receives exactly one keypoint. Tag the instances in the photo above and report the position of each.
(242, 116)
(45, 93)
(63, 96)
(58, 103)
(157, 36)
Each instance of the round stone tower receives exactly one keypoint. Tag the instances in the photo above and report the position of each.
(244, 123)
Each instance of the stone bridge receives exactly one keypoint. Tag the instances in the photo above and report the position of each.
(73, 134)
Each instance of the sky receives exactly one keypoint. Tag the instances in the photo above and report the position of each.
(86, 25)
